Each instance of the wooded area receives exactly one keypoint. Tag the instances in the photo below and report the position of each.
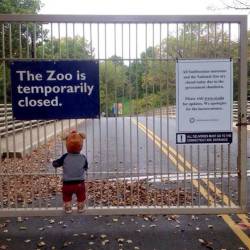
(140, 83)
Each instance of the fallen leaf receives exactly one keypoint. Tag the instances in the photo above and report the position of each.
(120, 240)
(19, 219)
(104, 242)
(207, 244)
(244, 226)
(52, 221)
(103, 236)
(41, 244)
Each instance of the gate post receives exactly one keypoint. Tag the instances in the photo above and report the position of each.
(242, 117)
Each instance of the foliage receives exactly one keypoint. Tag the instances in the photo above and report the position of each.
(20, 6)
(17, 40)
(113, 84)
(144, 83)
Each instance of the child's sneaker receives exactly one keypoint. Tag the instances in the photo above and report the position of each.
(67, 207)
(80, 207)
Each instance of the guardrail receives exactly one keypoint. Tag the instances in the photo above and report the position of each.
(8, 125)
(171, 111)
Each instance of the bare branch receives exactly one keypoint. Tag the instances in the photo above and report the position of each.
(237, 5)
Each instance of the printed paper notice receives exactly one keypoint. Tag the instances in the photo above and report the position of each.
(204, 95)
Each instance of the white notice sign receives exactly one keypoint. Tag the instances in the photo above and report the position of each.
(204, 96)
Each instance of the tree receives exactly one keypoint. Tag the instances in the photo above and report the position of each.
(237, 4)
(19, 40)
(114, 85)
(75, 48)
(20, 6)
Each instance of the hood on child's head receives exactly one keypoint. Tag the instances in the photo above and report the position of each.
(74, 141)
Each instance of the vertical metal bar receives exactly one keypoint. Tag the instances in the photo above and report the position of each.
(123, 126)
(66, 40)
(60, 56)
(45, 123)
(161, 136)
(192, 171)
(85, 120)
(137, 113)
(208, 43)
(222, 174)
(199, 177)
(177, 146)
(167, 90)
(185, 173)
(191, 40)
(154, 62)
(35, 56)
(93, 120)
(100, 122)
(27, 56)
(116, 132)
(146, 63)
(242, 114)
(38, 127)
(191, 147)
(208, 179)
(215, 174)
(13, 121)
(229, 41)
(21, 56)
(222, 39)
(229, 174)
(54, 122)
(183, 54)
(107, 106)
(199, 37)
(215, 40)
(74, 56)
(130, 118)
(5, 92)
(130, 111)
(59, 40)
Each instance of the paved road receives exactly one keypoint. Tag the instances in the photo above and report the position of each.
(120, 145)
(120, 149)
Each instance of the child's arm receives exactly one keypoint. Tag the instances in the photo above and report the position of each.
(86, 165)
(59, 162)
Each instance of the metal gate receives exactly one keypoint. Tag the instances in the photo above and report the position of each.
(134, 164)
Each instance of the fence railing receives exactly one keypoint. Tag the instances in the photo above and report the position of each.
(8, 125)
(171, 111)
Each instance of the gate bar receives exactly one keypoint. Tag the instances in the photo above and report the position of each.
(7, 212)
(123, 18)
(242, 117)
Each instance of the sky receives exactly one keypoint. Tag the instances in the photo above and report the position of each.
(129, 7)
(134, 7)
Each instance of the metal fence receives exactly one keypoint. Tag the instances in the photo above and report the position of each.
(134, 164)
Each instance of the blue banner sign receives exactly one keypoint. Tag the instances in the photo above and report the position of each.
(55, 89)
